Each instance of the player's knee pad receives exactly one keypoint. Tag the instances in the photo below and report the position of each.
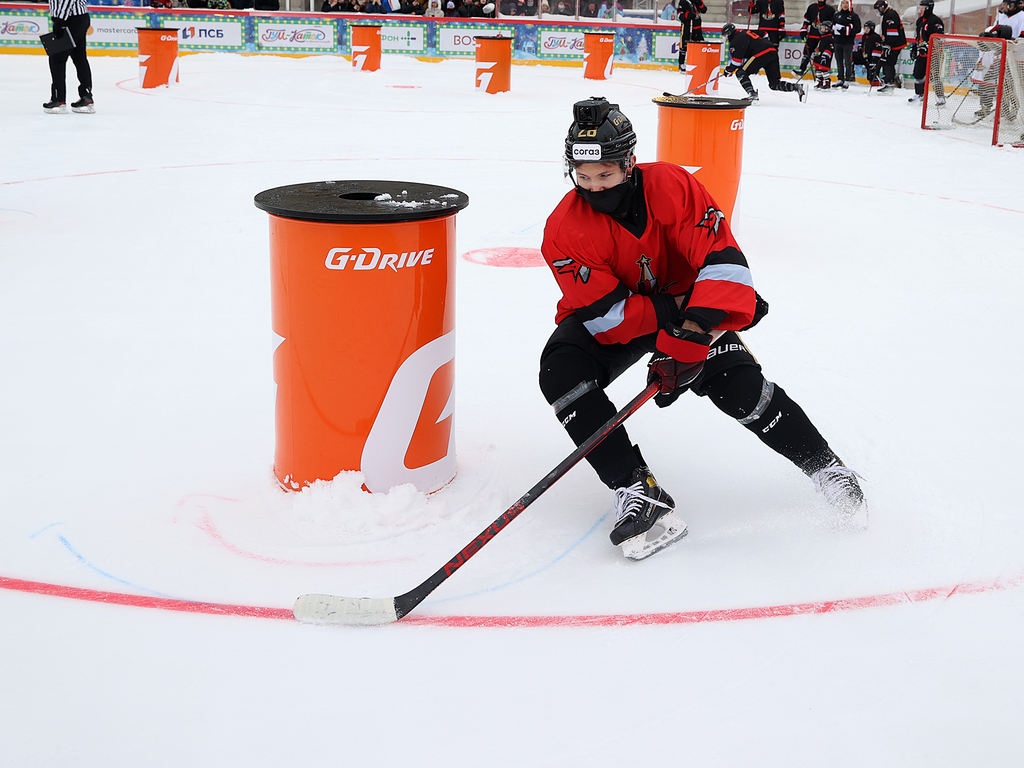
(735, 391)
(564, 371)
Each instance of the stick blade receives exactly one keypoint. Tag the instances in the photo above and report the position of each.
(345, 611)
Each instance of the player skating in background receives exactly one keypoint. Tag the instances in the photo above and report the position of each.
(749, 53)
(817, 34)
(647, 265)
(894, 40)
(771, 18)
(70, 17)
(928, 24)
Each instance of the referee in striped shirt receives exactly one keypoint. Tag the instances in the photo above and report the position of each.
(72, 17)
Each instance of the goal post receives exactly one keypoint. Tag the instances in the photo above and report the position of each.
(976, 84)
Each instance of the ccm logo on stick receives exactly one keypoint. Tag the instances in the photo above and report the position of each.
(372, 258)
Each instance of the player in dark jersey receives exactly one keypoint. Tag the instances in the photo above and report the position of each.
(928, 24)
(749, 53)
(771, 18)
(818, 48)
(690, 26)
(894, 40)
(871, 49)
(647, 264)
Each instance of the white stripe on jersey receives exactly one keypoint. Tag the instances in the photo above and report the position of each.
(731, 273)
(65, 9)
(612, 318)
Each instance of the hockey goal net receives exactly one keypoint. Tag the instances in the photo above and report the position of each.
(976, 84)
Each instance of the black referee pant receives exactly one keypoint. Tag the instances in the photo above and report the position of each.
(78, 27)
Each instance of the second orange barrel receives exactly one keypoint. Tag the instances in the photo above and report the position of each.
(704, 134)
(366, 47)
(494, 64)
(363, 311)
(158, 57)
(598, 50)
(702, 62)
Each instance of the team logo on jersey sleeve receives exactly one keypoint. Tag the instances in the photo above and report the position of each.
(579, 273)
(711, 221)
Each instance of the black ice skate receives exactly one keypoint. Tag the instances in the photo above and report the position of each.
(886, 88)
(838, 484)
(84, 104)
(645, 520)
(55, 107)
(801, 89)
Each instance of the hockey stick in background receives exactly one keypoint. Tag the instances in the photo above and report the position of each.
(368, 611)
(696, 87)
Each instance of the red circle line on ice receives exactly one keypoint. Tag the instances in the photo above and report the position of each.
(505, 257)
(901, 597)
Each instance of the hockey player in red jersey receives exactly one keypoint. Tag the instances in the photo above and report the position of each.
(647, 265)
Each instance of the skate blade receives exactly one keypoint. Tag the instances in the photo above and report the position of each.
(56, 110)
(643, 546)
(90, 110)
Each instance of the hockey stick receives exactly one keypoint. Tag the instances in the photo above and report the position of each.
(368, 611)
(695, 88)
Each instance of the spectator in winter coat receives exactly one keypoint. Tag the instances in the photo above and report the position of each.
(449, 10)
(434, 11)
(590, 11)
(668, 13)
(845, 28)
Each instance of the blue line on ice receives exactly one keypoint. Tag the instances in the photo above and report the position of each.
(530, 575)
(88, 564)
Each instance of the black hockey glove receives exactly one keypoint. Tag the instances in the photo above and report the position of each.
(729, 70)
(913, 53)
(679, 360)
(760, 310)
(886, 50)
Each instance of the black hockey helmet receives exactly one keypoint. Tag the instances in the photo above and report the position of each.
(928, 5)
(599, 133)
(869, 25)
(728, 29)
(880, 6)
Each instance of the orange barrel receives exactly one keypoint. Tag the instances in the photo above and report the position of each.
(704, 134)
(363, 313)
(366, 47)
(158, 56)
(494, 64)
(598, 48)
(702, 62)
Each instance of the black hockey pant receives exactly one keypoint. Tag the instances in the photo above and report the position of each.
(889, 66)
(691, 31)
(769, 62)
(575, 369)
(844, 62)
(78, 27)
(920, 70)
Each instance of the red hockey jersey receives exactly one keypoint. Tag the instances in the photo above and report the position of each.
(608, 275)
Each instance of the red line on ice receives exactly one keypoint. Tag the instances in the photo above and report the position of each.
(611, 620)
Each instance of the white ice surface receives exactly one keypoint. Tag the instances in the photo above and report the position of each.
(136, 438)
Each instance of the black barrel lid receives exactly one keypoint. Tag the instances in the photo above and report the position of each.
(701, 102)
(361, 202)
